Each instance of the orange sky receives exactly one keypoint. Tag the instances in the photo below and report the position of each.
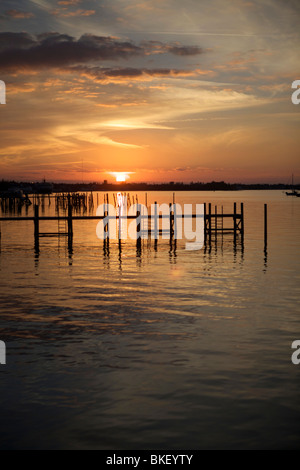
(162, 90)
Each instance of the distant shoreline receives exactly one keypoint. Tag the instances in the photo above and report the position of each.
(129, 187)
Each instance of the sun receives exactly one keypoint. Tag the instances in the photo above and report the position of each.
(121, 177)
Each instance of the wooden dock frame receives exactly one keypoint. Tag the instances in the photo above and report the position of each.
(211, 227)
(211, 223)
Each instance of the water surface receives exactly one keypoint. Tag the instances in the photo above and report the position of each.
(149, 349)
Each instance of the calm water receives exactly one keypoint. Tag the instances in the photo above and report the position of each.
(159, 349)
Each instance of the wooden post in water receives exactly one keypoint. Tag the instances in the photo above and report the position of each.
(70, 221)
(234, 223)
(175, 222)
(222, 221)
(138, 225)
(266, 226)
(36, 225)
(171, 223)
(216, 222)
(106, 222)
(242, 221)
(156, 226)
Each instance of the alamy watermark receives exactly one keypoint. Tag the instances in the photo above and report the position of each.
(2, 92)
(2, 353)
(296, 354)
(163, 220)
(296, 94)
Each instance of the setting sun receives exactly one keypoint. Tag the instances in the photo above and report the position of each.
(120, 177)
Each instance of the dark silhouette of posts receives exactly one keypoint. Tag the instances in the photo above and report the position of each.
(70, 225)
(216, 222)
(234, 223)
(72, 204)
(156, 226)
(106, 219)
(209, 222)
(138, 226)
(242, 222)
(266, 225)
(36, 222)
(171, 223)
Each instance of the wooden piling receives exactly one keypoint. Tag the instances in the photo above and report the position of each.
(266, 225)
(216, 222)
(222, 211)
(242, 221)
(171, 222)
(70, 221)
(138, 225)
(106, 223)
(36, 222)
(234, 223)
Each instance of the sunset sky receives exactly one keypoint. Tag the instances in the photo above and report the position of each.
(165, 90)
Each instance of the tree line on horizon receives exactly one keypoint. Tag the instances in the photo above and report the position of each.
(171, 186)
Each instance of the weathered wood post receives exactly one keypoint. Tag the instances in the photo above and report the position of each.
(242, 222)
(36, 229)
(156, 226)
(106, 219)
(216, 222)
(175, 222)
(222, 221)
(171, 215)
(36, 223)
(70, 221)
(234, 223)
(266, 225)
(138, 225)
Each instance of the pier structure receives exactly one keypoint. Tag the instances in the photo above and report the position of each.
(74, 207)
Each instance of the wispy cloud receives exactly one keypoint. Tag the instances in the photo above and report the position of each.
(68, 2)
(64, 13)
(107, 141)
(18, 15)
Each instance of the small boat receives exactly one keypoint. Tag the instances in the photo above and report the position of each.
(293, 192)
